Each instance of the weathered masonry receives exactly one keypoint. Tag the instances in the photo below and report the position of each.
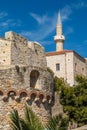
(23, 78)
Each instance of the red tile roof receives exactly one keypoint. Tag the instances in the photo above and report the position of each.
(58, 52)
(64, 52)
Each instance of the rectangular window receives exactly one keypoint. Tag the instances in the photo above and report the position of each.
(58, 66)
(75, 66)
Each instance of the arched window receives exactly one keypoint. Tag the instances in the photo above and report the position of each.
(34, 79)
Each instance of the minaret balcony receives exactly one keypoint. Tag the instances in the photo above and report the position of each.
(59, 37)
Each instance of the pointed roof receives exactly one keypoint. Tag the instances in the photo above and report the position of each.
(59, 18)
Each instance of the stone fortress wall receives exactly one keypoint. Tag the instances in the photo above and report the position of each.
(23, 78)
(5, 52)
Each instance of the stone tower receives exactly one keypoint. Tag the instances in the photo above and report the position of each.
(24, 78)
(59, 38)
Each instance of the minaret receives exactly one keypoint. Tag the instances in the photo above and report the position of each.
(59, 38)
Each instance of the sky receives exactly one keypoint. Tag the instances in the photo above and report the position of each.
(37, 19)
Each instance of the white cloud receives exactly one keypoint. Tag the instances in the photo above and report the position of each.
(46, 42)
(30, 35)
(79, 5)
(39, 19)
(45, 28)
(47, 24)
(69, 9)
(6, 23)
(3, 14)
(66, 12)
(9, 23)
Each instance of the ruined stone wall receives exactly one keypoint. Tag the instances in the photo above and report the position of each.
(39, 58)
(23, 78)
(5, 52)
(7, 104)
(24, 52)
(12, 36)
(18, 77)
(15, 91)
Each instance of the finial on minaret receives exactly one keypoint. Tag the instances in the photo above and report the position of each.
(59, 38)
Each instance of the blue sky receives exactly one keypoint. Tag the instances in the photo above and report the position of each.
(36, 20)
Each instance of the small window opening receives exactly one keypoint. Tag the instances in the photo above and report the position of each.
(57, 66)
(82, 70)
(75, 66)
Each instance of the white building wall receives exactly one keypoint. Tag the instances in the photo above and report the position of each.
(80, 66)
(69, 68)
(71, 64)
(57, 59)
(66, 66)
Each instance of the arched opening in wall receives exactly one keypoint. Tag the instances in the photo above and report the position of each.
(34, 79)
(23, 94)
(32, 97)
(1, 93)
(11, 93)
(41, 97)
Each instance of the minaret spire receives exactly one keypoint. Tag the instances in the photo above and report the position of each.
(59, 38)
(59, 18)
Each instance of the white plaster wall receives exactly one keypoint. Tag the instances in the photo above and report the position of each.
(53, 60)
(69, 68)
(67, 63)
(66, 66)
(80, 65)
